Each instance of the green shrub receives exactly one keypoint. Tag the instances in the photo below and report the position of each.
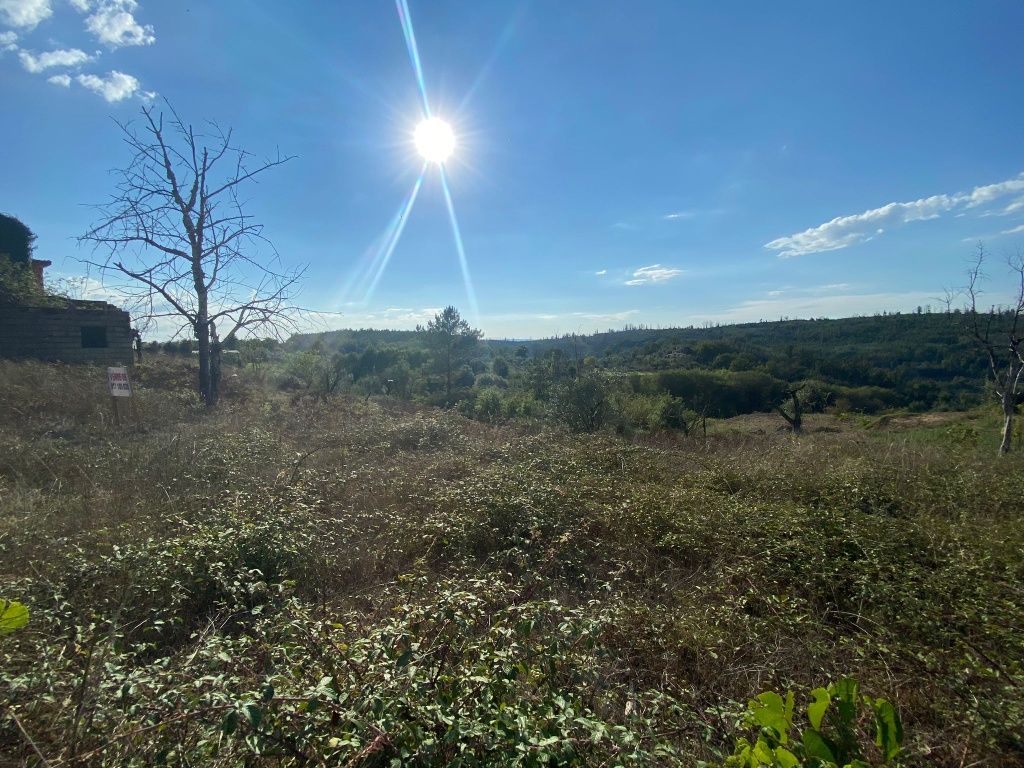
(831, 737)
(583, 405)
(488, 406)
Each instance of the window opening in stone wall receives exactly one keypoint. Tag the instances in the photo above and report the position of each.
(94, 336)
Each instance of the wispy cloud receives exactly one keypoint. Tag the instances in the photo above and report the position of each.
(843, 304)
(601, 272)
(8, 41)
(606, 317)
(116, 86)
(845, 231)
(113, 22)
(655, 273)
(1014, 230)
(64, 81)
(25, 14)
(390, 318)
(86, 287)
(71, 57)
(692, 213)
(524, 325)
(1013, 207)
(795, 293)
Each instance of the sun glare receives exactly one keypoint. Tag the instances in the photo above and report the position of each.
(434, 140)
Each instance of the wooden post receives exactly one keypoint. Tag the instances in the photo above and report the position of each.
(118, 385)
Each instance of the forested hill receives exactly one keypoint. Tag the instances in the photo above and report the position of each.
(351, 340)
(885, 338)
(898, 335)
(917, 360)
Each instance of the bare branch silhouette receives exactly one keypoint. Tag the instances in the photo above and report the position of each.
(177, 229)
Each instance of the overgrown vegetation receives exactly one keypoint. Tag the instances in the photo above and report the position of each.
(366, 581)
(918, 362)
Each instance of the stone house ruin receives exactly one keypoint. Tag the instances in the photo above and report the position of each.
(68, 331)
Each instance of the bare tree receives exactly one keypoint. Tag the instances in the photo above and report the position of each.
(796, 419)
(176, 226)
(999, 333)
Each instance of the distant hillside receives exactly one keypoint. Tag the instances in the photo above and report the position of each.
(924, 359)
(351, 340)
(881, 331)
(921, 361)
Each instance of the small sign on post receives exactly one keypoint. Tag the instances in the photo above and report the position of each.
(117, 382)
(119, 386)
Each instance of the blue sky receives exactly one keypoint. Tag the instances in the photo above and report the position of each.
(661, 163)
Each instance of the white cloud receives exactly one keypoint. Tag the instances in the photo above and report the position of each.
(606, 317)
(116, 86)
(81, 6)
(390, 318)
(25, 14)
(836, 305)
(89, 288)
(990, 192)
(692, 213)
(1013, 207)
(543, 324)
(63, 81)
(71, 57)
(1013, 231)
(655, 273)
(844, 231)
(113, 23)
(8, 41)
(601, 272)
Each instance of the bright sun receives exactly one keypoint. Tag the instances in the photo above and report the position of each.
(434, 140)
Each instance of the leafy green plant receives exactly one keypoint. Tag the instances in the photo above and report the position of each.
(831, 738)
(13, 615)
(583, 405)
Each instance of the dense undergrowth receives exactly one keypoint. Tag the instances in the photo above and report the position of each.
(361, 582)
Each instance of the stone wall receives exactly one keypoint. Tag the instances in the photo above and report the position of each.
(85, 332)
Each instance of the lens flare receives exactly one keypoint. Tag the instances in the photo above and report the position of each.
(434, 140)
(363, 280)
(397, 234)
(405, 19)
(467, 281)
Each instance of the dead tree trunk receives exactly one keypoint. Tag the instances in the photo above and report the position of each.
(1008, 401)
(214, 366)
(999, 334)
(796, 420)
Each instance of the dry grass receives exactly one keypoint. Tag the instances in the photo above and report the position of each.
(699, 572)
